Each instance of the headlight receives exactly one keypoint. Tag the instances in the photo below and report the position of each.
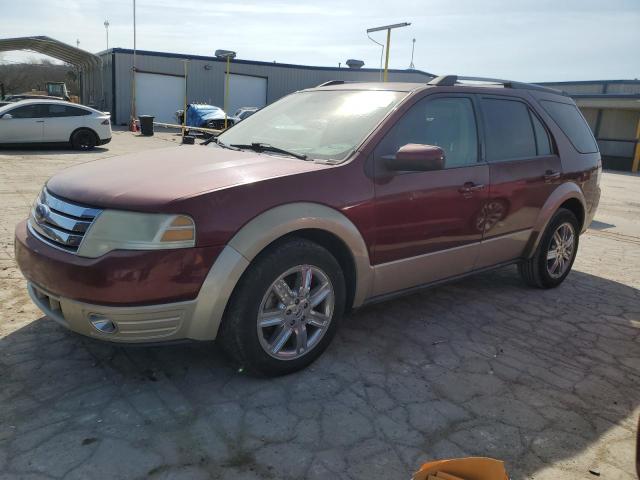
(118, 230)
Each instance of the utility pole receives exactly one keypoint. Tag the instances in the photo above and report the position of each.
(77, 42)
(413, 48)
(388, 28)
(133, 73)
(106, 27)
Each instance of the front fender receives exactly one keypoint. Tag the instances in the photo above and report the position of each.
(254, 237)
(564, 192)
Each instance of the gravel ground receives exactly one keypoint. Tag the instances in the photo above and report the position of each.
(548, 381)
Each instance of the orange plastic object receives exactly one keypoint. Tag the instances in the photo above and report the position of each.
(470, 468)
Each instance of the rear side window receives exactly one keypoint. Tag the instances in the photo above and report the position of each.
(56, 110)
(573, 125)
(508, 130)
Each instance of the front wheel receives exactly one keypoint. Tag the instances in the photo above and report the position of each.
(285, 310)
(555, 254)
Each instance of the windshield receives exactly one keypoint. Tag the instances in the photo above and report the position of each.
(325, 125)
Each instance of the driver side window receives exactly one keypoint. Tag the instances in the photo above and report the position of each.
(448, 123)
(27, 111)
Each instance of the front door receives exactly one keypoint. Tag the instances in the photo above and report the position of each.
(427, 223)
(25, 124)
(524, 171)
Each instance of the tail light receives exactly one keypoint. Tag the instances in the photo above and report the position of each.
(106, 121)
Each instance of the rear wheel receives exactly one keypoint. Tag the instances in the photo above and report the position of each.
(285, 310)
(555, 254)
(83, 139)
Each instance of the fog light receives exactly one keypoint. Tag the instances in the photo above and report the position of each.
(102, 324)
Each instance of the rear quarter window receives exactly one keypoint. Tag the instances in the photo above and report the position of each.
(572, 123)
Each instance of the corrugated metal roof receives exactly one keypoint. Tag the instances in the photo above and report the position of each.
(255, 62)
(53, 48)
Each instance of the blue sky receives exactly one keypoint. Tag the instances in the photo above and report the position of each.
(525, 40)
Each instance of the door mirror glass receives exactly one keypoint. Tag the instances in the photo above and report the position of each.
(415, 157)
(7, 116)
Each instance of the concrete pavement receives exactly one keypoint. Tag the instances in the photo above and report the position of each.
(548, 381)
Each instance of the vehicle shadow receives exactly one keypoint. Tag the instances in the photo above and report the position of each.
(483, 366)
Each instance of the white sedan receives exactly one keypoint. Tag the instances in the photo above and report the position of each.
(54, 121)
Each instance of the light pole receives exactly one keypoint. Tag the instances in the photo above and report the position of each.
(388, 28)
(413, 48)
(106, 27)
(226, 55)
(133, 74)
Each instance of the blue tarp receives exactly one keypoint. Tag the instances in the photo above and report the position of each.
(199, 114)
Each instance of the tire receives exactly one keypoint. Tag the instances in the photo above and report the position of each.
(255, 348)
(539, 271)
(84, 139)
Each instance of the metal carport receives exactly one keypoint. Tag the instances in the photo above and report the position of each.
(84, 61)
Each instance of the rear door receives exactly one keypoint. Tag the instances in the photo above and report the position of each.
(524, 170)
(26, 124)
(61, 120)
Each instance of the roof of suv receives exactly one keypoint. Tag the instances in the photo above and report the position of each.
(451, 81)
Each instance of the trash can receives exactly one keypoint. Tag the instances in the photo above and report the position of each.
(146, 124)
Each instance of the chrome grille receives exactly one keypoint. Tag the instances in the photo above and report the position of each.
(59, 222)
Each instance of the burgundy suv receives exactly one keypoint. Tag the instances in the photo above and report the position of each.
(328, 199)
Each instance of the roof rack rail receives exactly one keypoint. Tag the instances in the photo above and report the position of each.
(451, 80)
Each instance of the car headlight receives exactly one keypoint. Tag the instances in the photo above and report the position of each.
(118, 230)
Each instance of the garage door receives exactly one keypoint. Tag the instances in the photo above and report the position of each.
(246, 91)
(159, 95)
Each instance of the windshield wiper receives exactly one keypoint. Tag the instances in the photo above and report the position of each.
(265, 147)
(218, 142)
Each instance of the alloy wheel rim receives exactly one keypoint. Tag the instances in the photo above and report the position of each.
(561, 250)
(295, 312)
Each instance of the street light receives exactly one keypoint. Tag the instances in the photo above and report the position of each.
(106, 27)
(388, 28)
(226, 55)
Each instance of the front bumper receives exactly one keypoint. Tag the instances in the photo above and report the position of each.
(147, 323)
(118, 278)
(149, 297)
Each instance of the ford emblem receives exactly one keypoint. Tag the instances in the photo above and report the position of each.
(41, 212)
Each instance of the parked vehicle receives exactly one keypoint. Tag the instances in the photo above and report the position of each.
(328, 199)
(53, 122)
(204, 116)
(54, 91)
(244, 112)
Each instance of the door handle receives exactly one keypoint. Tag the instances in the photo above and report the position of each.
(470, 187)
(551, 175)
(39, 121)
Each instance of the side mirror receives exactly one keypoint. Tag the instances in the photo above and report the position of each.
(7, 116)
(415, 157)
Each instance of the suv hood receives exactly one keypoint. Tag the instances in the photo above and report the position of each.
(151, 180)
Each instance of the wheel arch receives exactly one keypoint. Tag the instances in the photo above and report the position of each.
(319, 223)
(569, 196)
(95, 134)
